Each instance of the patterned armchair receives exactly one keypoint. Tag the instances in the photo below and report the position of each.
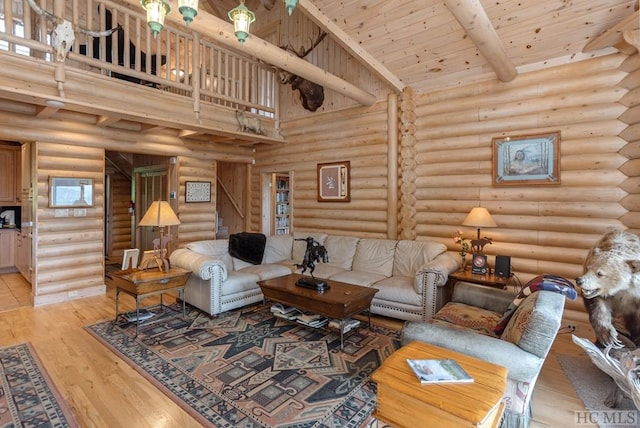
(468, 324)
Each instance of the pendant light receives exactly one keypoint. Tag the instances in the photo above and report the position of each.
(157, 10)
(188, 9)
(242, 19)
(290, 5)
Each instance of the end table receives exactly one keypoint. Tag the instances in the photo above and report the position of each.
(144, 283)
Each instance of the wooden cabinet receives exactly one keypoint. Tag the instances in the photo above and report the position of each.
(9, 174)
(7, 248)
(281, 203)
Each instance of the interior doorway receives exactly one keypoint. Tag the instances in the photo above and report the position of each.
(277, 203)
(150, 183)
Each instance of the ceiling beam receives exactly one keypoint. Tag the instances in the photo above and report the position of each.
(350, 45)
(613, 35)
(475, 22)
(222, 32)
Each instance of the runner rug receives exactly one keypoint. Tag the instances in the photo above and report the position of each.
(28, 398)
(247, 368)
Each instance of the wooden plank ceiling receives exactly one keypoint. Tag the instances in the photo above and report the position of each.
(430, 44)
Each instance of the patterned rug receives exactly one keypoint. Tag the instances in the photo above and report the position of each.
(247, 368)
(28, 398)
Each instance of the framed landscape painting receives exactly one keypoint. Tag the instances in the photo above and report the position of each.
(526, 160)
(333, 182)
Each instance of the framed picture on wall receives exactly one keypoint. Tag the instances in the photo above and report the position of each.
(526, 160)
(333, 182)
(198, 191)
(70, 192)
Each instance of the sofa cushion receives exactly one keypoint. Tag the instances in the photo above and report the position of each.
(324, 270)
(357, 277)
(216, 248)
(238, 281)
(278, 248)
(398, 289)
(299, 247)
(268, 270)
(410, 256)
(375, 256)
(341, 250)
(471, 317)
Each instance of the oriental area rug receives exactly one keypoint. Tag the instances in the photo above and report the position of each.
(28, 397)
(247, 368)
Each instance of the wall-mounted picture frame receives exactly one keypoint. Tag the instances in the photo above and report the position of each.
(198, 191)
(70, 192)
(334, 182)
(130, 259)
(526, 160)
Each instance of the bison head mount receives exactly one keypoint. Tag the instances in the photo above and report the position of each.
(311, 94)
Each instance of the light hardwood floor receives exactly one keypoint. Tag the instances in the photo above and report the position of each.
(103, 391)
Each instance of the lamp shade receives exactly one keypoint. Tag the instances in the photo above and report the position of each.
(242, 19)
(159, 214)
(157, 10)
(479, 217)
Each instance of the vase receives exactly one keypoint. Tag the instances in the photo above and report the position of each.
(463, 261)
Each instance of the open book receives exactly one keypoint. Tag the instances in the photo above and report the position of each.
(438, 371)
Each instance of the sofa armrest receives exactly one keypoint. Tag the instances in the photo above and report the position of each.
(522, 365)
(430, 281)
(436, 272)
(203, 266)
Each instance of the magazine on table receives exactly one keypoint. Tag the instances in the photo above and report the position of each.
(439, 371)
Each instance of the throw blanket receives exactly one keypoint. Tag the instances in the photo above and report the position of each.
(546, 282)
(247, 246)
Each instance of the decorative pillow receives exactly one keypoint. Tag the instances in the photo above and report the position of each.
(546, 282)
(470, 317)
(217, 248)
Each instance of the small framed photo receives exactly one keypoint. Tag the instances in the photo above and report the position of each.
(130, 259)
(334, 182)
(198, 191)
(524, 160)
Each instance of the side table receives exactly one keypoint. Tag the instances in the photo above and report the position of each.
(489, 280)
(403, 401)
(141, 284)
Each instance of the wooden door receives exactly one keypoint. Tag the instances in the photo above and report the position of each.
(149, 184)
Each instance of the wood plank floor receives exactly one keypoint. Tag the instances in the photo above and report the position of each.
(103, 391)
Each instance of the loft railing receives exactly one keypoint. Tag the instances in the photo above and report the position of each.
(207, 74)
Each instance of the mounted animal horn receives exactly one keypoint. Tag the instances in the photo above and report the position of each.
(311, 94)
(63, 34)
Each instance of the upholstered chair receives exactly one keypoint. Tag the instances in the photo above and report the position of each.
(468, 323)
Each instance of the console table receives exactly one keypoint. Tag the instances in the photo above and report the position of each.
(141, 284)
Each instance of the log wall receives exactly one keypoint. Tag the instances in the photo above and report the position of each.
(543, 228)
(358, 135)
(69, 242)
(197, 219)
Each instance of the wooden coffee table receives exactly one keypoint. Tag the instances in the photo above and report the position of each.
(144, 283)
(341, 301)
(403, 401)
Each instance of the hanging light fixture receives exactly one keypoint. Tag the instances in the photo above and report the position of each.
(157, 10)
(188, 9)
(290, 5)
(242, 19)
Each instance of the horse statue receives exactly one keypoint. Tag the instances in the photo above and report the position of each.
(314, 253)
(477, 245)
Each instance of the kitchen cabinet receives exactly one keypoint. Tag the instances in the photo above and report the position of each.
(9, 174)
(7, 248)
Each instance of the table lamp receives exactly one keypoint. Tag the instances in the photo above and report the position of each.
(479, 217)
(160, 214)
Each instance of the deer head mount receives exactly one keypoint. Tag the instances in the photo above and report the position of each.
(63, 33)
(311, 94)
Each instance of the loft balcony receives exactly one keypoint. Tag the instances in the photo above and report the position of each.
(178, 80)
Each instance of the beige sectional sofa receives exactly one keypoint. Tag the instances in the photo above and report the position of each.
(408, 274)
